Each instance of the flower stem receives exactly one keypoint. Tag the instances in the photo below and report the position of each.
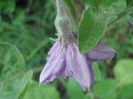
(71, 8)
(60, 8)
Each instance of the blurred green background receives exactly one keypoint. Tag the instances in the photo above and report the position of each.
(28, 25)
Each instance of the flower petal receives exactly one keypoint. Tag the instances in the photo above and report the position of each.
(100, 52)
(55, 47)
(79, 66)
(55, 65)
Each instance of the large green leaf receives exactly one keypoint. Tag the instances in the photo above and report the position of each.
(125, 92)
(105, 89)
(123, 72)
(13, 88)
(12, 76)
(11, 61)
(34, 91)
(73, 89)
(91, 30)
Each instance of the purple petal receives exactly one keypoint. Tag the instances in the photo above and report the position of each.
(55, 64)
(68, 63)
(78, 64)
(100, 52)
(55, 47)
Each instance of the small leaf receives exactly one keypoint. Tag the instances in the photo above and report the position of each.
(90, 31)
(34, 91)
(123, 72)
(105, 89)
(73, 90)
(13, 88)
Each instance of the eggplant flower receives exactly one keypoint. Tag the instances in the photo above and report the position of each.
(70, 63)
(64, 59)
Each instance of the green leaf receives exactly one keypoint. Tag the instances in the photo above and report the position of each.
(12, 78)
(97, 71)
(13, 88)
(123, 72)
(73, 90)
(90, 31)
(95, 3)
(11, 61)
(105, 89)
(125, 92)
(34, 91)
(130, 17)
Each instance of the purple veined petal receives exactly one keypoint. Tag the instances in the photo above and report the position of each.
(79, 66)
(100, 52)
(68, 63)
(55, 47)
(55, 65)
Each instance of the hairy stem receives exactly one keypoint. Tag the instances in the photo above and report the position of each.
(71, 8)
(60, 8)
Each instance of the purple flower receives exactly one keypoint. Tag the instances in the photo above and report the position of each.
(68, 62)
